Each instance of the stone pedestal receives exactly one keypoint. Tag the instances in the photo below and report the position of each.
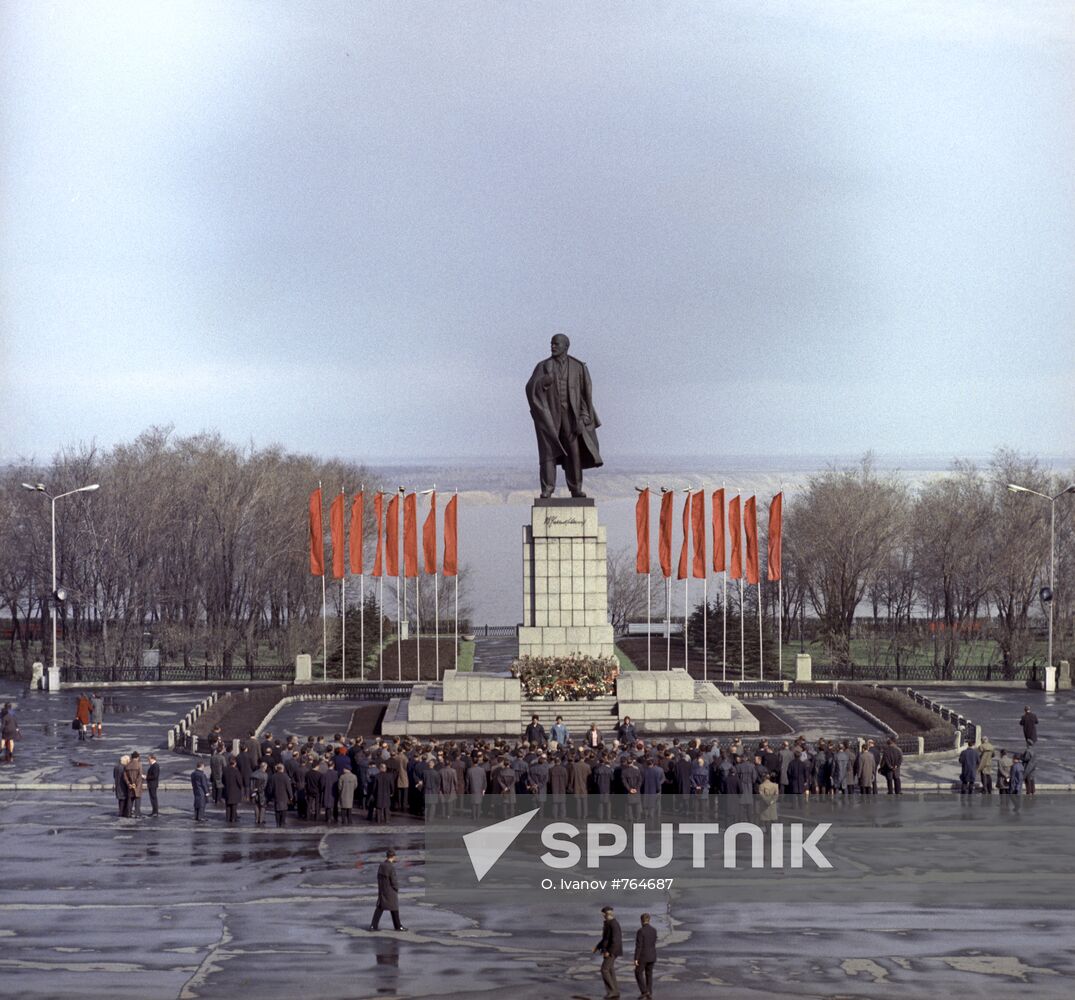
(804, 668)
(463, 704)
(565, 581)
(1063, 676)
(303, 668)
(671, 701)
(37, 676)
(1050, 678)
(52, 679)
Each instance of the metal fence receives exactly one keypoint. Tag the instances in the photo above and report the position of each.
(924, 672)
(155, 675)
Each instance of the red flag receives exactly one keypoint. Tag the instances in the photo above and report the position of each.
(317, 535)
(378, 514)
(735, 569)
(718, 531)
(429, 537)
(391, 537)
(681, 573)
(410, 535)
(750, 526)
(335, 527)
(776, 536)
(642, 531)
(357, 510)
(450, 563)
(698, 529)
(664, 535)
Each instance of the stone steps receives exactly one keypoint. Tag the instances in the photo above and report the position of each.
(578, 715)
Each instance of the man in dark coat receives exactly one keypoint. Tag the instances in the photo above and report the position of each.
(281, 792)
(217, 762)
(891, 762)
(968, 770)
(119, 785)
(313, 793)
(535, 733)
(561, 403)
(645, 956)
(798, 775)
(199, 782)
(602, 779)
(384, 792)
(153, 777)
(558, 781)
(631, 780)
(626, 732)
(611, 948)
(1029, 723)
(247, 763)
(233, 790)
(387, 891)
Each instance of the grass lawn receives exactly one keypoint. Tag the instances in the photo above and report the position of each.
(626, 663)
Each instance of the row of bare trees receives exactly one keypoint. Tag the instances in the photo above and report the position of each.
(961, 559)
(962, 553)
(192, 544)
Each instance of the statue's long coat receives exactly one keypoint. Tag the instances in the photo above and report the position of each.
(545, 409)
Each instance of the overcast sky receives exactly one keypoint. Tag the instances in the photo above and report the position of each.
(351, 228)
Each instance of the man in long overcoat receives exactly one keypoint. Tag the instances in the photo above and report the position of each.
(233, 790)
(561, 403)
(387, 893)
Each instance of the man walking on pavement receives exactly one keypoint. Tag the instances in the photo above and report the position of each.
(645, 957)
(387, 893)
(611, 948)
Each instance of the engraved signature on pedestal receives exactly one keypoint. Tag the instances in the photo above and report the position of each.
(554, 519)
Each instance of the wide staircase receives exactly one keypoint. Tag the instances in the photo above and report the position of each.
(578, 715)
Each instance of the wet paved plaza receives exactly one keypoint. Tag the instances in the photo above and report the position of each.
(96, 906)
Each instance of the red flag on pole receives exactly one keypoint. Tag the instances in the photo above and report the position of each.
(429, 537)
(317, 535)
(735, 568)
(642, 564)
(357, 511)
(718, 531)
(451, 541)
(776, 536)
(410, 535)
(698, 529)
(391, 537)
(681, 573)
(750, 526)
(335, 527)
(664, 535)
(378, 514)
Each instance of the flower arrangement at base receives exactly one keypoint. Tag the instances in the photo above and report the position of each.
(566, 678)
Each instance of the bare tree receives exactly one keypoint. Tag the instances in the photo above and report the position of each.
(626, 589)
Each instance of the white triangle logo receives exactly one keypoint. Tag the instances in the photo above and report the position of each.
(485, 846)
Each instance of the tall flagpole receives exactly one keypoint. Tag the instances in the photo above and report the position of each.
(343, 613)
(324, 618)
(417, 596)
(649, 619)
(401, 586)
(456, 494)
(380, 626)
(724, 590)
(436, 597)
(668, 623)
(780, 598)
(362, 596)
(705, 625)
(742, 609)
(687, 583)
(761, 645)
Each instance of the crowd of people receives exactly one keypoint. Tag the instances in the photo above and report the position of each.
(330, 780)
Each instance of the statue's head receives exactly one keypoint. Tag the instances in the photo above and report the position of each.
(560, 344)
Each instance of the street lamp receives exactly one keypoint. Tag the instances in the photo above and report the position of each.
(58, 595)
(1048, 597)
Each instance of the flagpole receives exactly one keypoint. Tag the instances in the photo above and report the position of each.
(761, 644)
(649, 619)
(705, 626)
(324, 617)
(417, 596)
(436, 596)
(361, 594)
(668, 623)
(456, 495)
(724, 590)
(687, 582)
(401, 585)
(380, 627)
(742, 636)
(343, 628)
(780, 595)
